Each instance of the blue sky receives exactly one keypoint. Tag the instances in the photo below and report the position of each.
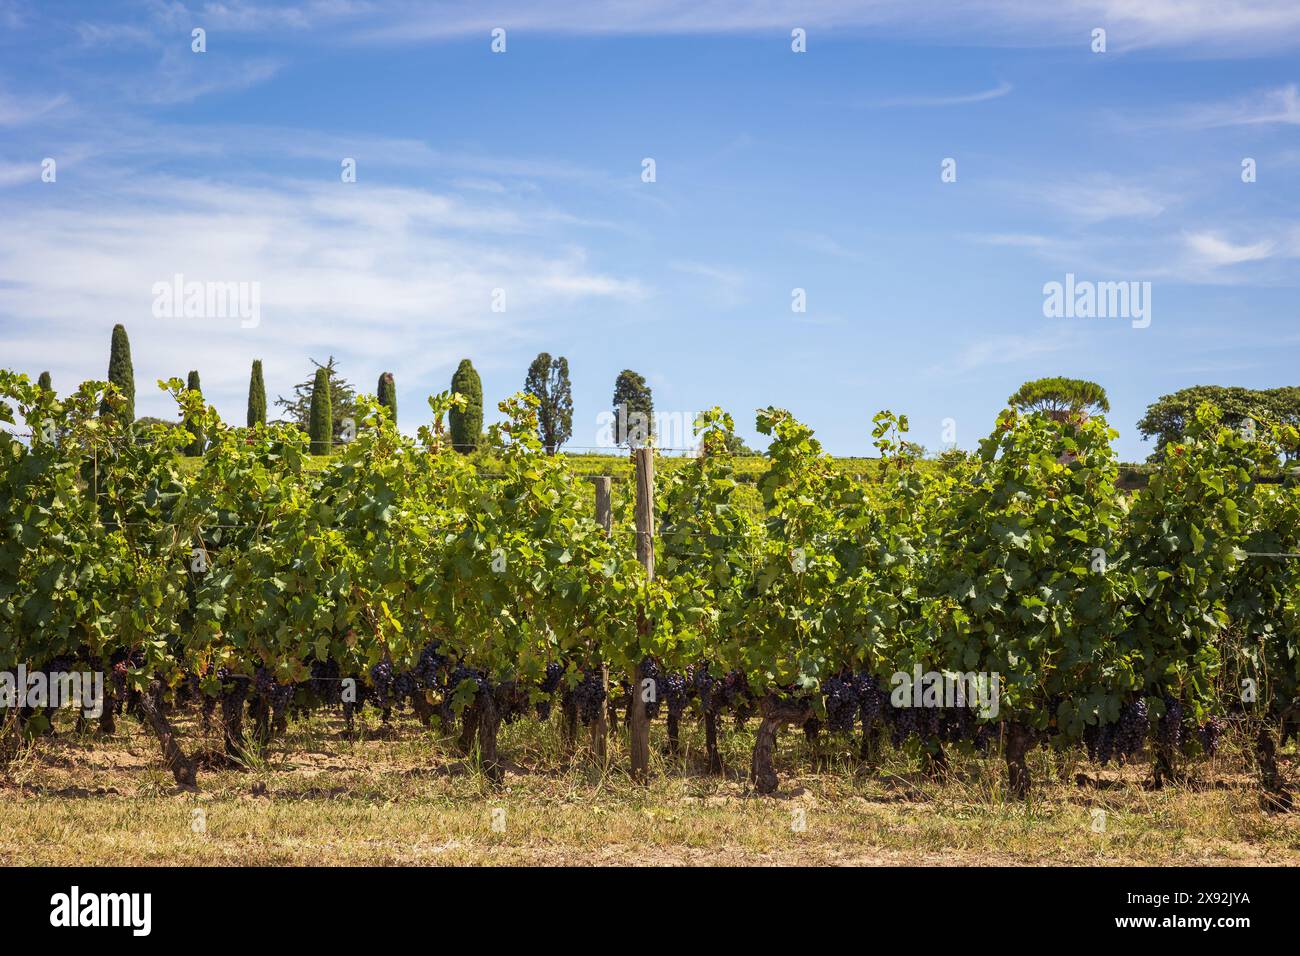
(775, 170)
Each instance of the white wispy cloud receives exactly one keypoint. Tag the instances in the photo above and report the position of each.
(15, 110)
(342, 268)
(1091, 198)
(825, 245)
(1277, 106)
(1213, 250)
(1234, 27)
(1005, 350)
(1101, 199)
(184, 77)
(1194, 256)
(253, 17)
(1024, 240)
(959, 99)
(723, 287)
(1241, 25)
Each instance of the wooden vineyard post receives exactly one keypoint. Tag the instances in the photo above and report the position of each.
(645, 553)
(605, 518)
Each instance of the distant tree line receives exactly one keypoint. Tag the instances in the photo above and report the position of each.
(323, 404)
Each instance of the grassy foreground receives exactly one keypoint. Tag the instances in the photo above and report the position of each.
(404, 796)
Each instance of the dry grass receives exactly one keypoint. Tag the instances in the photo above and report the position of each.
(403, 796)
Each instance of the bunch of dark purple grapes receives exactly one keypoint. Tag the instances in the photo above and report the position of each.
(1099, 739)
(511, 699)
(704, 684)
(281, 695)
(324, 681)
(736, 695)
(589, 696)
(842, 704)
(1210, 733)
(903, 723)
(429, 666)
(675, 691)
(234, 687)
(956, 724)
(872, 701)
(461, 673)
(930, 721)
(1169, 729)
(404, 687)
(550, 683)
(1131, 731)
(381, 679)
(651, 671)
(263, 683)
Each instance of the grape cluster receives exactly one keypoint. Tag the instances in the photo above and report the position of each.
(955, 724)
(932, 723)
(588, 696)
(281, 695)
(903, 723)
(1169, 729)
(263, 683)
(675, 692)
(404, 686)
(733, 693)
(276, 695)
(551, 680)
(650, 670)
(871, 699)
(550, 683)
(324, 681)
(462, 673)
(703, 683)
(234, 687)
(1099, 739)
(1131, 731)
(381, 678)
(429, 665)
(1210, 733)
(842, 703)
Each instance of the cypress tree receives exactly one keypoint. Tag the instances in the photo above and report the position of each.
(121, 374)
(256, 396)
(321, 428)
(45, 383)
(466, 424)
(634, 409)
(195, 447)
(342, 399)
(388, 394)
(548, 379)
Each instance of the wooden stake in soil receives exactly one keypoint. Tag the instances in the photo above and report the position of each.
(605, 518)
(639, 722)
